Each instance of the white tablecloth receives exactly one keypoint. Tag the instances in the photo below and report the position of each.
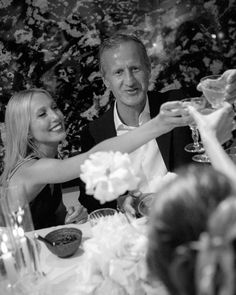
(59, 272)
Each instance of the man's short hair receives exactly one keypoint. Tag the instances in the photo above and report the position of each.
(114, 41)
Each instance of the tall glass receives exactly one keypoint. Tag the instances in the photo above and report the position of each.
(9, 258)
(20, 221)
(20, 272)
(213, 89)
(198, 103)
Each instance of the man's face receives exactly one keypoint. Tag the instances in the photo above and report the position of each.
(126, 74)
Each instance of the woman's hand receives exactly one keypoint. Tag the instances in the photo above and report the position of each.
(172, 114)
(219, 123)
(76, 214)
(227, 80)
(230, 89)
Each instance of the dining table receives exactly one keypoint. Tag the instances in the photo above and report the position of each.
(120, 250)
(58, 274)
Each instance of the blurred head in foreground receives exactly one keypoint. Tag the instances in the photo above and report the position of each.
(179, 216)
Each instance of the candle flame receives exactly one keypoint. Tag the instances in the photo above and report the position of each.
(4, 248)
(4, 237)
(21, 232)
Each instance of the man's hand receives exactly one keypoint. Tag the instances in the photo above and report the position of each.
(128, 203)
(76, 214)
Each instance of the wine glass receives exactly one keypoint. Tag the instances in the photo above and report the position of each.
(203, 158)
(20, 220)
(198, 103)
(213, 89)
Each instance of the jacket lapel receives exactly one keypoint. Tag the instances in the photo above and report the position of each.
(104, 128)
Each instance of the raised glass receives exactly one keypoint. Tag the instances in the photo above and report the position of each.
(20, 221)
(213, 88)
(198, 103)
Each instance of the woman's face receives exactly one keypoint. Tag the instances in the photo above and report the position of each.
(47, 121)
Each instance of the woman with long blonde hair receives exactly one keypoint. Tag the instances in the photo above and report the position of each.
(34, 129)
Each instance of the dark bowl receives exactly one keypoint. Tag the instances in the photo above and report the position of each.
(67, 241)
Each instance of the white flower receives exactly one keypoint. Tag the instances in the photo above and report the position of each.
(108, 175)
(114, 259)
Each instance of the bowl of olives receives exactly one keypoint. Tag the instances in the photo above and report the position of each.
(64, 242)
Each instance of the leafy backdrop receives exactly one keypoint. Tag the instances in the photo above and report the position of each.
(54, 44)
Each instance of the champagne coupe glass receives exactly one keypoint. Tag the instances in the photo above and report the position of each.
(213, 89)
(198, 103)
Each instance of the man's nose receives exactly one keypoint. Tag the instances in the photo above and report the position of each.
(129, 78)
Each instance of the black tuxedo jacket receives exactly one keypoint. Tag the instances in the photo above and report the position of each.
(171, 144)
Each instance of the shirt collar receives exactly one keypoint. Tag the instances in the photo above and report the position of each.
(143, 118)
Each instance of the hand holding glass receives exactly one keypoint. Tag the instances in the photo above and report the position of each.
(198, 103)
(213, 88)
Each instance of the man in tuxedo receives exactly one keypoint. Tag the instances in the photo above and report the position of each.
(126, 71)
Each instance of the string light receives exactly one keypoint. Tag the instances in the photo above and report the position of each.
(221, 35)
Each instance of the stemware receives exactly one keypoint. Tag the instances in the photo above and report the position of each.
(213, 88)
(9, 259)
(198, 103)
(203, 158)
(20, 221)
(102, 213)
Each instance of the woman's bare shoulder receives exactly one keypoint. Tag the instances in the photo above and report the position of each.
(23, 170)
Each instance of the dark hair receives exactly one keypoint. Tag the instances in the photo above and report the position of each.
(179, 217)
(115, 40)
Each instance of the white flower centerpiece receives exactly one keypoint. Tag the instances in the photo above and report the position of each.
(108, 175)
(114, 260)
(114, 257)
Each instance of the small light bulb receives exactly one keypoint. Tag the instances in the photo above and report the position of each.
(221, 35)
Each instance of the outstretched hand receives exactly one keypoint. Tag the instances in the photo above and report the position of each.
(173, 114)
(228, 79)
(219, 123)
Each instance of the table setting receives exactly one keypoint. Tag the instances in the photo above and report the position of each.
(105, 255)
(109, 260)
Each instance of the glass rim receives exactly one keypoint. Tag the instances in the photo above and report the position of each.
(211, 76)
(112, 210)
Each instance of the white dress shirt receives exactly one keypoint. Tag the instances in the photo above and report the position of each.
(147, 160)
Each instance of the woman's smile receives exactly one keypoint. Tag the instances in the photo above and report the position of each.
(57, 127)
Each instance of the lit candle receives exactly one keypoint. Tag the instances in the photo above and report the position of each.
(25, 249)
(9, 263)
(26, 254)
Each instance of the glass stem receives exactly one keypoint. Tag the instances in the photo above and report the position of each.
(195, 136)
